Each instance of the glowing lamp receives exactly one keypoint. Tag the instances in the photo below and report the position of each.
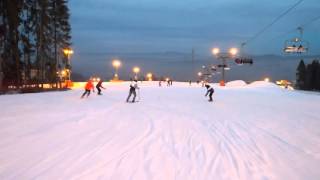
(215, 51)
(267, 79)
(136, 70)
(116, 63)
(233, 51)
(67, 51)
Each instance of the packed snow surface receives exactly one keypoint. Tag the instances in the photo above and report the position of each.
(258, 131)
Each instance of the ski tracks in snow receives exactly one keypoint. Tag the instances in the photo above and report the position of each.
(173, 133)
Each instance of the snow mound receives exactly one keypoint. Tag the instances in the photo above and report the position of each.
(237, 83)
(263, 84)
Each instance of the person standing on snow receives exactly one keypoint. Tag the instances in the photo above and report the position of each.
(210, 91)
(132, 90)
(87, 88)
(99, 86)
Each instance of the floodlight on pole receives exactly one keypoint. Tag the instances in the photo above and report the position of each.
(116, 64)
(68, 52)
(223, 56)
(136, 71)
(233, 51)
(215, 51)
(149, 76)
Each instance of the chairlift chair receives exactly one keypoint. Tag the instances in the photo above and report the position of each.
(243, 59)
(296, 45)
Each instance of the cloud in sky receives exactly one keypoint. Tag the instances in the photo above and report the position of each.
(166, 25)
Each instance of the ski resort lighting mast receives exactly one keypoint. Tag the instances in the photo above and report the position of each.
(136, 71)
(223, 56)
(116, 64)
(149, 76)
(68, 52)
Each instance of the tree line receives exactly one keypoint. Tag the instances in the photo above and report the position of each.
(33, 34)
(308, 76)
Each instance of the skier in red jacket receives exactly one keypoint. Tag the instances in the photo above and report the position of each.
(87, 88)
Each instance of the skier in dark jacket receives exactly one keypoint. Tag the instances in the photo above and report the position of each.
(132, 90)
(210, 91)
(99, 86)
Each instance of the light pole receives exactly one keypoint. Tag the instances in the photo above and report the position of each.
(149, 76)
(116, 64)
(199, 76)
(224, 56)
(136, 71)
(68, 52)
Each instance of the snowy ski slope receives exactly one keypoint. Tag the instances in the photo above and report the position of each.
(257, 131)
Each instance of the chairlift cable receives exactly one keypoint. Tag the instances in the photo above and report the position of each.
(274, 21)
(295, 29)
(313, 20)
